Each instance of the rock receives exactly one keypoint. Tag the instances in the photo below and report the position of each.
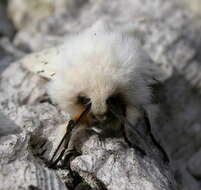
(171, 36)
(184, 177)
(194, 6)
(6, 26)
(19, 167)
(26, 12)
(7, 126)
(8, 53)
(194, 165)
(116, 166)
(103, 164)
(19, 170)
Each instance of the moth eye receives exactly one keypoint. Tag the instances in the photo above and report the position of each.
(117, 100)
(114, 99)
(83, 100)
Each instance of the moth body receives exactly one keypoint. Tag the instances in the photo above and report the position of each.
(96, 66)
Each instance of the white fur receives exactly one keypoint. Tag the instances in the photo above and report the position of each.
(98, 63)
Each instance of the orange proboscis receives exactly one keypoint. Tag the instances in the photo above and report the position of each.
(85, 118)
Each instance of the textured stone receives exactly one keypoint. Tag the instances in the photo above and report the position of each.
(26, 12)
(18, 168)
(7, 126)
(116, 166)
(194, 165)
(6, 26)
(109, 162)
(8, 53)
(193, 5)
(172, 37)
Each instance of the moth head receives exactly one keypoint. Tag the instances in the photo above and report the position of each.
(75, 90)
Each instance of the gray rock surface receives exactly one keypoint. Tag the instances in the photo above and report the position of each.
(25, 13)
(7, 126)
(109, 162)
(6, 26)
(194, 165)
(171, 36)
(18, 168)
(8, 53)
(193, 5)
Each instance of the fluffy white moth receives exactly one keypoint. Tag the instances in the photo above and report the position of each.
(96, 65)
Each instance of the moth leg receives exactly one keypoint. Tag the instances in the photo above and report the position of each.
(131, 144)
(79, 135)
(71, 147)
(39, 145)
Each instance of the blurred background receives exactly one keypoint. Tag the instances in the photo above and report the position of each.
(170, 31)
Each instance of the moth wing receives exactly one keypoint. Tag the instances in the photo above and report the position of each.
(156, 73)
(43, 63)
